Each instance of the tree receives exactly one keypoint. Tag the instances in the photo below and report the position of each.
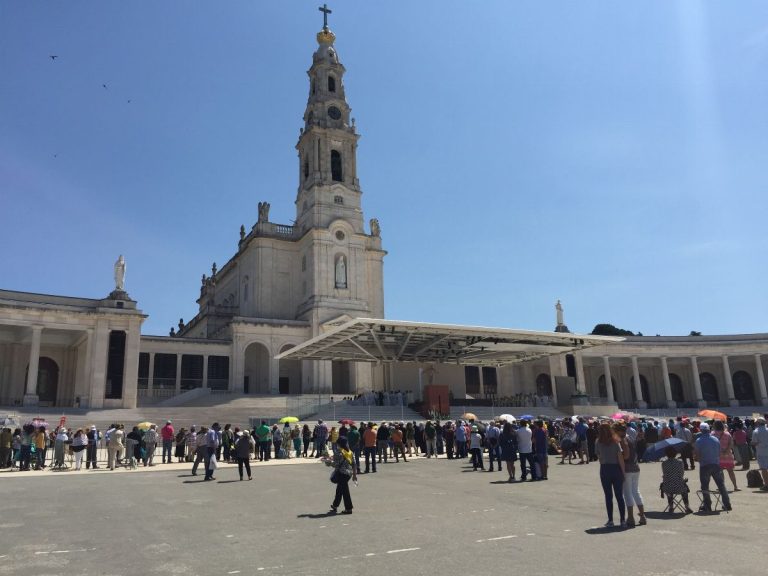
(694, 333)
(610, 330)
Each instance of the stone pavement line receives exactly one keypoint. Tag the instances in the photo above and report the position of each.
(496, 538)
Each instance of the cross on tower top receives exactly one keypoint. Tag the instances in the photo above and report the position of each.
(325, 10)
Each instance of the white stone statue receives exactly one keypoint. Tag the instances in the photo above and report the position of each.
(341, 272)
(375, 228)
(264, 211)
(559, 309)
(120, 274)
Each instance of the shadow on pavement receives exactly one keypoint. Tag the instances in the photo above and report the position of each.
(665, 515)
(604, 530)
(316, 516)
(194, 481)
(228, 481)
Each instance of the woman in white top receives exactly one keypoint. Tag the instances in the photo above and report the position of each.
(79, 443)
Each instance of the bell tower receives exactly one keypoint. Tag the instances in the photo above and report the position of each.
(327, 147)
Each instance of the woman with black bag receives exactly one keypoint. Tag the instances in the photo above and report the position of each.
(343, 471)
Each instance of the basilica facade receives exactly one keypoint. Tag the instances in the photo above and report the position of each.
(286, 284)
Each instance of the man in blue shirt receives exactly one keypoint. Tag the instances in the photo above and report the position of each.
(494, 451)
(707, 452)
(581, 435)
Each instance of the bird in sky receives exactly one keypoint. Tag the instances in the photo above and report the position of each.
(53, 57)
(104, 86)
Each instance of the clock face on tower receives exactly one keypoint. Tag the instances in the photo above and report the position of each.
(334, 113)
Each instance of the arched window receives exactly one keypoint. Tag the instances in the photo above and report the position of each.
(331, 84)
(742, 387)
(603, 390)
(245, 289)
(676, 387)
(336, 174)
(313, 86)
(709, 389)
(645, 390)
(306, 167)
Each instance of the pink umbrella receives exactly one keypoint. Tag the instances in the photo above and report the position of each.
(620, 416)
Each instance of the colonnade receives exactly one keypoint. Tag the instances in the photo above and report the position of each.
(667, 386)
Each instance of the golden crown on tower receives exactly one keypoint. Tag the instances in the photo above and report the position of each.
(325, 36)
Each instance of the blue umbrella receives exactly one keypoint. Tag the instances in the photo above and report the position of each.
(526, 417)
(657, 450)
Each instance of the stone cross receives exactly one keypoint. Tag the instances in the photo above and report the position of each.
(325, 10)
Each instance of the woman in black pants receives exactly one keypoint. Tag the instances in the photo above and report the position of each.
(244, 445)
(343, 472)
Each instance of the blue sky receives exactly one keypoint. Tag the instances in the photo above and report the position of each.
(612, 155)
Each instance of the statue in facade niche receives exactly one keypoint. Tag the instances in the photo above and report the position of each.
(120, 274)
(263, 212)
(375, 228)
(341, 272)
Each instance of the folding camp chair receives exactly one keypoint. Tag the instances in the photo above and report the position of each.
(714, 496)
(675, 503)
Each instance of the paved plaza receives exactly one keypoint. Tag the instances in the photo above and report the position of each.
(423, 517)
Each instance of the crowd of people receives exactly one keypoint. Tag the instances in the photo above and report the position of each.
(352, 449)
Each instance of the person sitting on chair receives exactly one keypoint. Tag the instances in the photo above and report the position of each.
(673, 480)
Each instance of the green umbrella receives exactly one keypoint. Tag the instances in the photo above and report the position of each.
(288, 420)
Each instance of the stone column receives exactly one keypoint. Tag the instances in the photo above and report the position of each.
(178, 373)
(761, 379)
(274, 375)
(581, 382)
(554, 371)
(729, 382)
(131, 365)
(83, 387)
(205, 370)
(641, 403)
(237, 366)
(151, 375)
(667, 386)
(608, 380)
(99, 364)
(480, 378)
(700, 402)
(30, 395)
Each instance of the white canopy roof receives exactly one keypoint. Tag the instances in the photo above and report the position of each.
(377, 340)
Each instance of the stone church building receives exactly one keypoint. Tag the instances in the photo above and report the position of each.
(289, 283)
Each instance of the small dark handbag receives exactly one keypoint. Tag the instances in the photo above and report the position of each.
(335, 476)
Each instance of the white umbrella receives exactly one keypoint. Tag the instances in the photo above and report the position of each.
(508, 418)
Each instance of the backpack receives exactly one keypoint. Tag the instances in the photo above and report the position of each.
(754, 479)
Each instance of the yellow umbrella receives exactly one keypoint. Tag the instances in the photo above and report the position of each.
(288, 420)
(144, 425)
(468, 416)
